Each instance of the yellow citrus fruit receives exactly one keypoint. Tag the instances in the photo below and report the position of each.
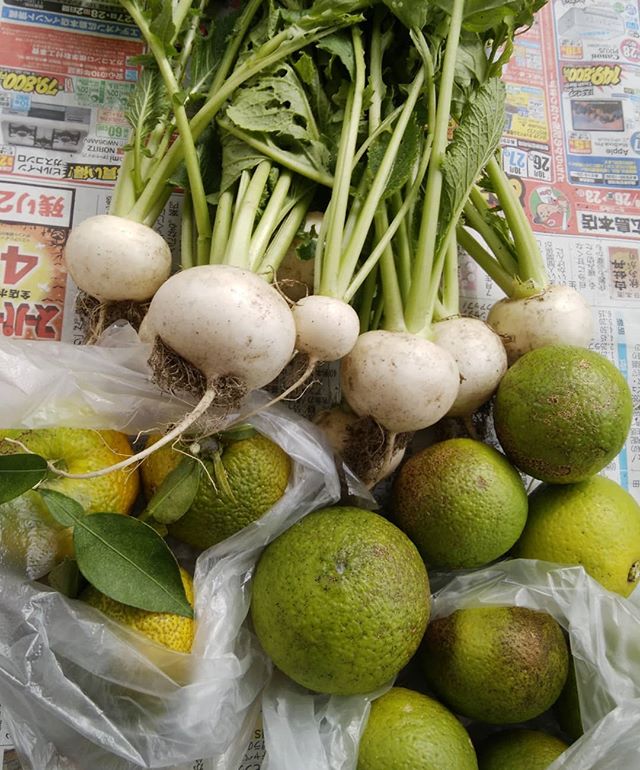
(407, 730)
(595, 523)
(499, 665)
(30, 539)
(562, 413)
(340, 601)
(519, 749)
(461, 502)
(255, 474)
(173, 631)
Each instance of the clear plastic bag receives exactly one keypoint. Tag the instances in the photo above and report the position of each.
(82, 386)
(604, 634)
(83, 692)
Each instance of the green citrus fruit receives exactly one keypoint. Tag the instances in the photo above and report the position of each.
(340, 601)
(567, 707)
(461, 502)
(407, 731)
(30, 539)
(595, 523)
(500, 665)
(562, 413)
(173, 631)
(519, 749)
(251, 475)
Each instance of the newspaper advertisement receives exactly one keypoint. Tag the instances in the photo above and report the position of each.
(571, 147)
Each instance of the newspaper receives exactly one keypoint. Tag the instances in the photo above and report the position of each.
(571, 146)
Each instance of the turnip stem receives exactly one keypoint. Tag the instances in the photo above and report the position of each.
(366, 299)
(236, 38)
(221, 227)
(530, 264)
(408, 202)
(490, 265)
(393, 308)
(450, 304)
(337, 212)
(417, 310)
(124, 194)
(474, 219)
(403, 246)
(186, 233)
(180, 11)
(354, 248)
(190, 155)
(281, 242)
(357, 202)
(271, 217)
(237, 251)
(384, 125)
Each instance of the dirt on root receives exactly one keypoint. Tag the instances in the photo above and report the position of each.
(95, 316)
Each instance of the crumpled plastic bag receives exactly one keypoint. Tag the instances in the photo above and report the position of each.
(83, 386)
(604, 635)
(83, 692)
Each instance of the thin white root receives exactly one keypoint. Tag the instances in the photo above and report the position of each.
(202, 406)
(313, 362)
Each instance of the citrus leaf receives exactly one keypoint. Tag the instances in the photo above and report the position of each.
(122, 557)
(65, 578)
(19, 473)
(176, 493)
(65, 510)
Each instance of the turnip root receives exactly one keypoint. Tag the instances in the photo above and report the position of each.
(481, 359)
(229, 324)
(326, 328)
(559, 315)
(404, 382)
(115, 259)
(367, 448)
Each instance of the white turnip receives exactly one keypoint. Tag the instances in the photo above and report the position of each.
(481, 359)
(559, 315)
(229, 324)
(326, 328)
(404, 382)
(116, 260)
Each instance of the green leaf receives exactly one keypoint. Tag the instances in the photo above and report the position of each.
(338, 7)
(474, 142)
(176, 493)
(19, 473)
(237, 156)
(66, 578)
(162, 25)
(309, 74)
(122, 557)
(147, 104)
(275, 103)
(340, 46)
(412, 13)
(405, 160)
(65, 510)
